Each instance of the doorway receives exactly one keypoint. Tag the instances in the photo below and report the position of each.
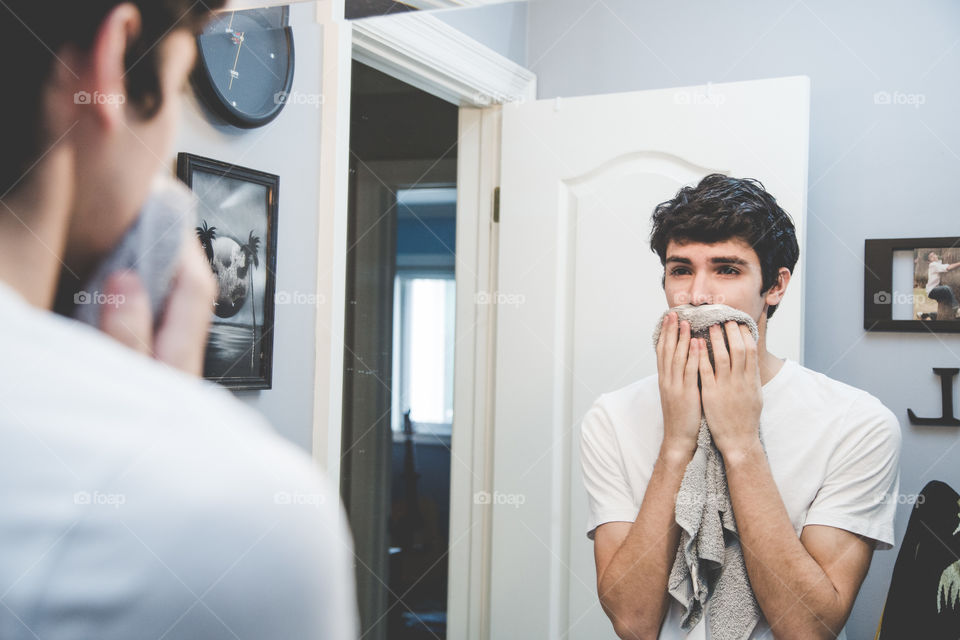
(399, 353)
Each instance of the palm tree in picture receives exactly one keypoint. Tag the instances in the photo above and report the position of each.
(252, 250)
(206, 235)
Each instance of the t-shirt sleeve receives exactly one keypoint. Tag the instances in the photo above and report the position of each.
(609, 498)
(860, 491)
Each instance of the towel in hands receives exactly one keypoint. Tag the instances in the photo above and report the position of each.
(709, 570)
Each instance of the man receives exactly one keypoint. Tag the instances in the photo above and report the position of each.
(937, 291)
(136, 500)
(811, 503)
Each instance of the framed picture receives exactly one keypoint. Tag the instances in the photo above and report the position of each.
(912, 284)
(237, 228)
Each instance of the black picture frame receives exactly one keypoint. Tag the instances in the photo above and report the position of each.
(237, 211)
(878, 285)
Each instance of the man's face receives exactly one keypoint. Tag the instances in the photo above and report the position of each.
(726, 272)
(933, 257)
(152, 139)
(116, 167)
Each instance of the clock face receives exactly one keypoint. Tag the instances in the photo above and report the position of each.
(245, 65)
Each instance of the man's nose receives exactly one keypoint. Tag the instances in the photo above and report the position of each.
(700, 291)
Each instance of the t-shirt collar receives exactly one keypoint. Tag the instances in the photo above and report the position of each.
(780, 377)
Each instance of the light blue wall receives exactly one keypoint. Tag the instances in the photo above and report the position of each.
(876, 170)
(502, 27)
(290, 147)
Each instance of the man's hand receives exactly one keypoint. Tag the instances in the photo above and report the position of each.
(181, 338)
(677, 361)
(732, 396)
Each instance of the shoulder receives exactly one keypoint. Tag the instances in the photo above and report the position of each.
(260, 529)
(627, 403)
(87, 376)
(627, 422)
(859, 414)
(117, 417)
(166, 483)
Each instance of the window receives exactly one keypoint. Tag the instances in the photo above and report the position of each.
(423, 344)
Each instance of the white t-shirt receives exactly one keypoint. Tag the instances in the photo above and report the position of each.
(139, 502)
(933, 274)
(833, 451)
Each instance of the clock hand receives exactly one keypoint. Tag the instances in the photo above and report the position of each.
(233, 73)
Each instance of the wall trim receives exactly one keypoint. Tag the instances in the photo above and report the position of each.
(332, 213)
(423, 51)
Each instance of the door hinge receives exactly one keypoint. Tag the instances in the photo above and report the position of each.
(496, 204)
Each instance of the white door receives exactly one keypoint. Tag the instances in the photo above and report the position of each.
(579, 293)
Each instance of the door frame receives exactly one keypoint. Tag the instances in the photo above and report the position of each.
(469, 561)
(429, 54)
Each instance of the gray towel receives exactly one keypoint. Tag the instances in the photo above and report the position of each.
(709, 569)
(150, 246)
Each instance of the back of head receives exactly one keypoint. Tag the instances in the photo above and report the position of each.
(720, 208)
(33, 35)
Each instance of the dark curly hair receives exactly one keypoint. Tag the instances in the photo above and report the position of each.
(32, 35)
(720, 208)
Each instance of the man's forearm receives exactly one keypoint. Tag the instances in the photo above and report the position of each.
(633, 588)
(797, 597)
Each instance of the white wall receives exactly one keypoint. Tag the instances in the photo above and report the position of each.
(876, 170)
(290, 147)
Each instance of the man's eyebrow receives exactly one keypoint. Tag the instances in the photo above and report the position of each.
(730, 260)
(715, 260)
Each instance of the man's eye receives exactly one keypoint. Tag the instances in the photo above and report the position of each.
(729, 270)
(677, 271)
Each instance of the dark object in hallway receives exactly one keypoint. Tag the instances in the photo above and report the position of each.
(406, 523)
(418, 568)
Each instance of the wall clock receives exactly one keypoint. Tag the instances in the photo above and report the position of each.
(244, 67)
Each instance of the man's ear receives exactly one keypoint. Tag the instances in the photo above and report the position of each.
(776, 292)
(103, 85)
